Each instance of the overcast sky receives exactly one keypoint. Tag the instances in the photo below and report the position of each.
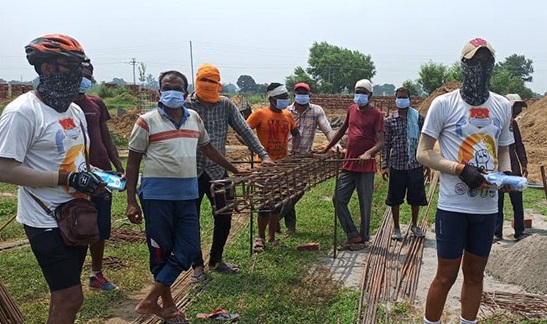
(268, 39)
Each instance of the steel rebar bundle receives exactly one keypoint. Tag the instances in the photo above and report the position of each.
(272, 188)
(392, 269)
(9, 312)
(525, 305)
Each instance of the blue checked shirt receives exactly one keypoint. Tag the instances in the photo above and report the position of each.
(395, 152)
(216, 118)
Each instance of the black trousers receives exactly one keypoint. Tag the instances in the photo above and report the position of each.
(222, 225)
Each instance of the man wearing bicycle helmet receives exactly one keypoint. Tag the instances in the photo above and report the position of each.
(42, 150)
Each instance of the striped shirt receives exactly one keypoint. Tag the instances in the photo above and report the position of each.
(216, 119)
(395, 151)
(307, 122)
(169, 171)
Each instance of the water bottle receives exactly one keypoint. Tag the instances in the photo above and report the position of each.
(499, 180)
(113, 181)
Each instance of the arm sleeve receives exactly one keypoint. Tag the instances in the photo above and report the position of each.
(242, 129)
(13, 172)
(427, 156)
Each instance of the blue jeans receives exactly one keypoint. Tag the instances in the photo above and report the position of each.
(518, 213)
(172, 234)
(348, 181)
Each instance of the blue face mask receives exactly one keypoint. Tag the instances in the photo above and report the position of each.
(302, 99)
(361, 99)
(402, 103)
(282, 103)
(85, 85)
(172, 98)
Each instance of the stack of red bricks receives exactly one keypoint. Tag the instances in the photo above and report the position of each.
(384, 103)
(4, 91)
(16, 90)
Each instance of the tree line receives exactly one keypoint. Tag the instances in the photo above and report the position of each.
(332, 69)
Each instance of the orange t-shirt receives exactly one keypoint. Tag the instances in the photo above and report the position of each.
(272, 129)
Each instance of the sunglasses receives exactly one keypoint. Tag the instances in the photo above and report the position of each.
(72, 66)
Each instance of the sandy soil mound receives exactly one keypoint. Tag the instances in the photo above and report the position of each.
(450, 86)
(122, 126)
(522, 264)
(533, 127)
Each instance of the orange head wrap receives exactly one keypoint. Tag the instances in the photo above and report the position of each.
(208, 90)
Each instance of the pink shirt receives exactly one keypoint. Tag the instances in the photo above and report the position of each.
(363, 125)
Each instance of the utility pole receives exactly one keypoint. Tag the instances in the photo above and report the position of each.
(192, 65)
(133, 62)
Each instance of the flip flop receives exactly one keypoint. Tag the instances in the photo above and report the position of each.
(197, 278)
(278, 244)
(179, 318)
(258, 245)
(227, 268)
(219, 314)
(357, 246)
(289, 233)
(347, 246)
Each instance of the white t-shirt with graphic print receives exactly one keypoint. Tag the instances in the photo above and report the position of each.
(468, 134)
(42, 139)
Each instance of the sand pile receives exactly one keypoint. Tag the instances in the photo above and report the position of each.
(522, 264)
(450, 86)
(122, 126)
(533, 127)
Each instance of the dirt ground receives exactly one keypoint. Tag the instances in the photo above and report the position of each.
(513, 267)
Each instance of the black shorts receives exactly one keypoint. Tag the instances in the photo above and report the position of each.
(409, 182)
(103, 203)
(61, 264)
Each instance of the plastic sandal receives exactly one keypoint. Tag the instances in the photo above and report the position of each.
(197, 278)
(278, 244)
(219, 314)
(179, 318)
(226, 268)
(258, 245)
(348, 246)
(289, 233)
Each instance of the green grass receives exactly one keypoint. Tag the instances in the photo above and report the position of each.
(284, 286)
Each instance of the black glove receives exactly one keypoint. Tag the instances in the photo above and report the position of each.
(472, 176)
(84, 182)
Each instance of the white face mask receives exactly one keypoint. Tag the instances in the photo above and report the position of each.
(402, 103)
